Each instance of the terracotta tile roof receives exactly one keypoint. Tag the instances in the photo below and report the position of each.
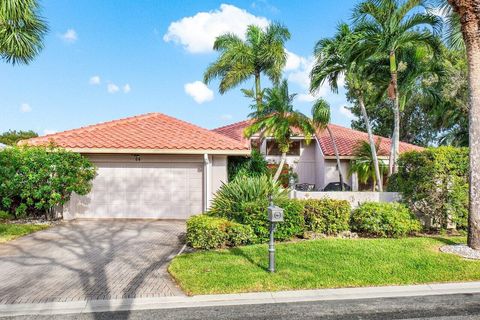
(345, 138)
(235, 131)
(152, 131)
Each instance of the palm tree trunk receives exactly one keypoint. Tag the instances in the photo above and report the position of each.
(280, 167)
(337, 156)
(372, 143)
(470, 17)
(258, 91)
(393, 93)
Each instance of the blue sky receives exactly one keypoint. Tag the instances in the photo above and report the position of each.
(105, 60)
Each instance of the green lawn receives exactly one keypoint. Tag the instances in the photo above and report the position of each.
(327, 263)
(12, 231)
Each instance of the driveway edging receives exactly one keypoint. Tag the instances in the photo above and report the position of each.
(237, 299)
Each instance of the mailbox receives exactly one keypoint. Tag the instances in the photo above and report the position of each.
(275, 214)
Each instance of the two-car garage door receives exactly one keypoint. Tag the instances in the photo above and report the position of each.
(162, 190)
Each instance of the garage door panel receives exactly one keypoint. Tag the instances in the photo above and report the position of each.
(143, 190)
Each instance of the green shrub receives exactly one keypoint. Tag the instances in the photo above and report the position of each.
(254, 214)
(204, 232)
(326, 215)
(434, 185)
(384, 220)
(35, 179)
(243, 189)
(238, 235)
(252, 166)
(5, 215)
(245, 201)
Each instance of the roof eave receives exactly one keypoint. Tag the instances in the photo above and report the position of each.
(240, 152)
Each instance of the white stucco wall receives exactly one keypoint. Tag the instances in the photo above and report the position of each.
(305, 165)
(219, 172)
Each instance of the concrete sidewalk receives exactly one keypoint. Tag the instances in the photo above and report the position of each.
(236, 299)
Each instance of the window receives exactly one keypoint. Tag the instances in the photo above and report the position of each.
(273, 150)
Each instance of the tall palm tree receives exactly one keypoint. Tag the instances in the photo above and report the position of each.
(469, 15)
(333, 61)
(21, 30)
(263, 52)
(321, 119)
(387, 26)
(363, 164)
(278, 119)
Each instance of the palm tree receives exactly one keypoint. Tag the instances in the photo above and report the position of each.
(469, 15)
(332, 61)
(278, 119)
(363, 164)
(263, 52)
(321, 119)
(387, 26)
(21, 30)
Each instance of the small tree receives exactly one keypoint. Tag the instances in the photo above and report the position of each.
(11, 137)
(363, 164)
(278, 119)
(33, 180)
(321, 119)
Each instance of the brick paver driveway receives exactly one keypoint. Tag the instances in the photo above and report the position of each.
(90, 260)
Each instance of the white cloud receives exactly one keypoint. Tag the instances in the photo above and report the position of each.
(94, 80)
(197, 33)
(293, 61)
(226, 117)
(48, 131)
(198, 91)
(264, 5)
(69, 36)
(346, 112)
(112, 88)
(126, 88)
(301, 74)
(25, 108)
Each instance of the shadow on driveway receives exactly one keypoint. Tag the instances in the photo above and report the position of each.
(91, 260)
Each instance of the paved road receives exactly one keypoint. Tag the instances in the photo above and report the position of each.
(90, 260)
(445, 307)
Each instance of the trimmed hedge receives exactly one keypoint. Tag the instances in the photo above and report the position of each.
(384, 220)
(255, 215)
(326, 216)
(434, 185)
(204, 232)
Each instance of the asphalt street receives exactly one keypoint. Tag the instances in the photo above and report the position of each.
(443, 307)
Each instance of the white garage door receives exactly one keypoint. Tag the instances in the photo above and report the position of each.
(142, 190)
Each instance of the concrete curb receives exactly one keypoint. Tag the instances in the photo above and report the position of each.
(236, 299)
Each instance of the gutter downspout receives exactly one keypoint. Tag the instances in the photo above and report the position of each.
(207, 174)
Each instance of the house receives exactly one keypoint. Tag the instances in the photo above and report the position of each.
(157, 166)
(315, 163)
(149, 166)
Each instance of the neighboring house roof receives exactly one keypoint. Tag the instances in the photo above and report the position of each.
(151, 133)
(345, 138)
(235, 131)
